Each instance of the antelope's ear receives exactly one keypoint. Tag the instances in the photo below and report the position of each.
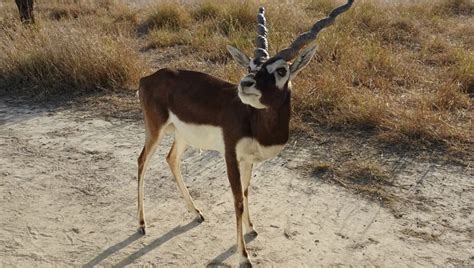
(239, 56)
(303, 59)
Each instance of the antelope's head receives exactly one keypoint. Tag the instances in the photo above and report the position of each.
(268, 81)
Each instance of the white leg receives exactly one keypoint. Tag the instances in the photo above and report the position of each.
(150, 147)
(233, 172)
(246, 175)
(173, 159)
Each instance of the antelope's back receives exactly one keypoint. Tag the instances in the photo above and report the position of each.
(190, 95)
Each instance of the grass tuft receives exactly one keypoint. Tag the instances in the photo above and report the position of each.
(67, 12)
(365, 173)
(235, 17)
(168, 16)
(368, 179)
(453, 8)
(208, 11)
(319, 7)
(166, 38)
(364, 177)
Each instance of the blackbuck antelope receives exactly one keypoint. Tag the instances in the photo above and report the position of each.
(247, 123)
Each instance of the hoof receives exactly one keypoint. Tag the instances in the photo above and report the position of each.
(252, 233)
(199, 217)
(141, 230)
(245, 264)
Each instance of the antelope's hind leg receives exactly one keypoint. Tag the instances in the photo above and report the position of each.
(174, 162)
(151, 142)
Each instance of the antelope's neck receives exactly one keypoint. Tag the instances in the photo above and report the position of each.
(271, 126)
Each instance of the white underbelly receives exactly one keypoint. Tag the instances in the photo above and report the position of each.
(209, 137)
(205, 137)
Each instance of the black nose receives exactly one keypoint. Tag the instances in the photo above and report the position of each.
(247, 83)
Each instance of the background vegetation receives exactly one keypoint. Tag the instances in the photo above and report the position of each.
(402, 72)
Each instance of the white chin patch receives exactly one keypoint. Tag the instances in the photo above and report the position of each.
(251, 97)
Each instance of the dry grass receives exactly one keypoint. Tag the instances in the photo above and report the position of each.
(404, 71)
(367, 178)
(453, 8)
(67, 56)
(365, 173)
(166, 38)
(387, 70)
(168, 16)
(207, 10)
(421, 235)
(57, 59)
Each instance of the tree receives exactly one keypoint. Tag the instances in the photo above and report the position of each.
(25, 7)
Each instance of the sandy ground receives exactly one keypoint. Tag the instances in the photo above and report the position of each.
(68, 191)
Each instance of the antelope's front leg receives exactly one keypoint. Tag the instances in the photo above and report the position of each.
(246, 175)
(236, 185)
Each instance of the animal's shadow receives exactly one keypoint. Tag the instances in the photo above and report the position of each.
(141, 252)
(219, 260)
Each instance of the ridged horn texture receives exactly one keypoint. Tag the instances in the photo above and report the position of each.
(305, 38)
(261, 39)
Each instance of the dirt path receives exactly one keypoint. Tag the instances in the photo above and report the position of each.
(68, 191)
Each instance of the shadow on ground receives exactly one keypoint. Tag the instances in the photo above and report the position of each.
(134, 256)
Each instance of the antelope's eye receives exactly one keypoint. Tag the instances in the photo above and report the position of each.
(281, 71)
(249, 69)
